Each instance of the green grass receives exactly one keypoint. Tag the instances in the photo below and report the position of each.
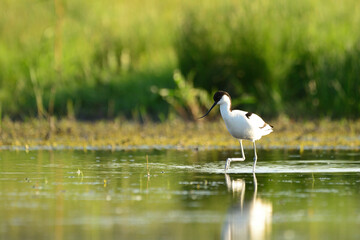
(299, 58)
(100, 60)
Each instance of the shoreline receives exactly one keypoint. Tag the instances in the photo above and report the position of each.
(118, 135)
(173, 147)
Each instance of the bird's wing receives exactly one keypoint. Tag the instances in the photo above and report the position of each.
(256, 121)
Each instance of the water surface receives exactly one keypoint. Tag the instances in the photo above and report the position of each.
(179, 195)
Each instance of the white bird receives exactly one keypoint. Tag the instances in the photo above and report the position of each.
(241, 125)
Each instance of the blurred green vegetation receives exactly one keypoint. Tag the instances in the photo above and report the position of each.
(186, 100)
(91, 59)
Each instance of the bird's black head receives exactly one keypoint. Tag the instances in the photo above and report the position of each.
(217, 96)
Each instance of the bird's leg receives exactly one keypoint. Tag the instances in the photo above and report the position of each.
(242, 151)
(255, 156)
(229, 160)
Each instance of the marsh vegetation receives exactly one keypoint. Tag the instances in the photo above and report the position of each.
(176, 134)
(89, 60)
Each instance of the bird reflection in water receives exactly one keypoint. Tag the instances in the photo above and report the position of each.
(246, 219)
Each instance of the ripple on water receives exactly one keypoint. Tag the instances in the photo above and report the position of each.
(293, 166)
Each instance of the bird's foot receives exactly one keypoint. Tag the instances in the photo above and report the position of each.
(227, 164)
(236, 159)
(229, 160)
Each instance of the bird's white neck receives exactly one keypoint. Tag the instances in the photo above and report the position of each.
(225, 109)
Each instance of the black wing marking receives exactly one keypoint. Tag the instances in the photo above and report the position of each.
(248, 114)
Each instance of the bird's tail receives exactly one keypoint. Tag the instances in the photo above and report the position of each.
(267, 129)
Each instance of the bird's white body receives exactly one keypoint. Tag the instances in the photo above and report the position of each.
(241, 124)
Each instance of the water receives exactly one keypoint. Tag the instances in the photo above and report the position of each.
(180, 195)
